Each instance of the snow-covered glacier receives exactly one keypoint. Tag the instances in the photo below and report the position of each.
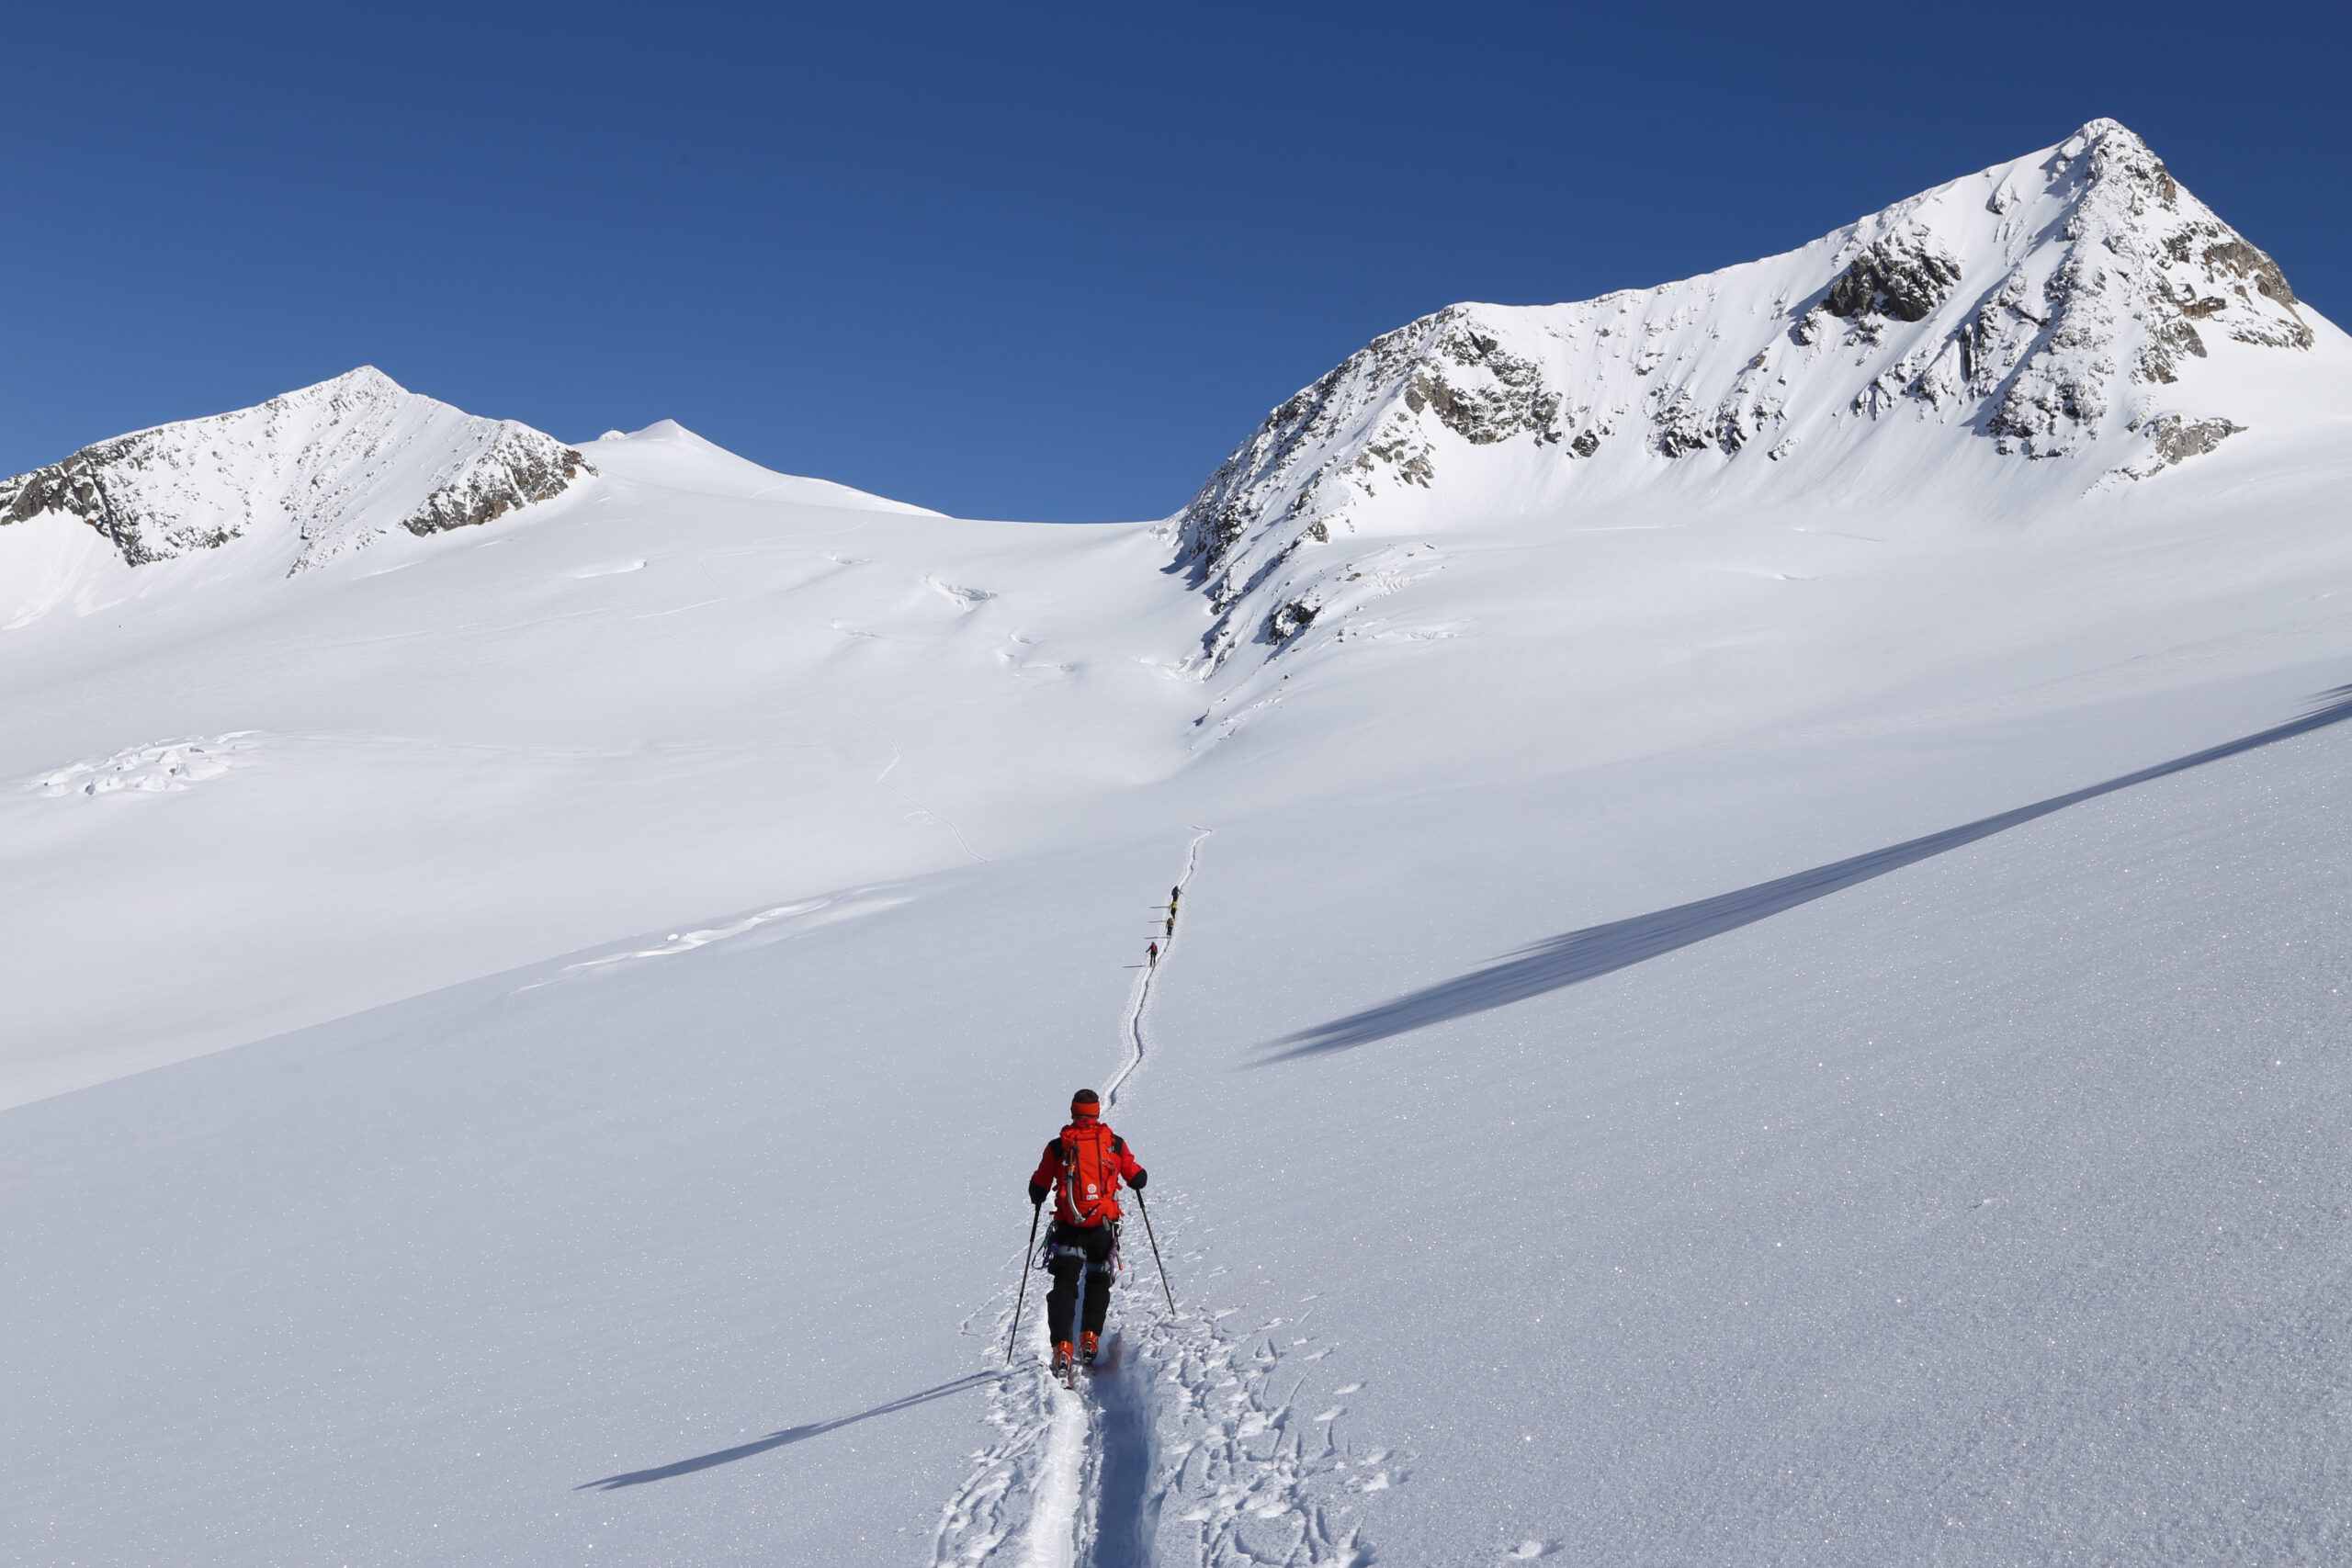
(1757, 978)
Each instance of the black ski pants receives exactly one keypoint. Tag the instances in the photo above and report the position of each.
(1075, 1253)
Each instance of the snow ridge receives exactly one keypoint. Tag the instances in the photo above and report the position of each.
(165, 767)
(318, 472)
(2046, 306)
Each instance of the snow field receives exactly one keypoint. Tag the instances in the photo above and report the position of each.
(529, 1265)
(1977, 1213)
(705, 1206)
(533, 1035)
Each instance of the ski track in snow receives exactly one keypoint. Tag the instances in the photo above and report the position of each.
(1141, 1001)
(1181, 1413)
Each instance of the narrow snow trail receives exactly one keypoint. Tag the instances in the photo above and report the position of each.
(1060, 1487)
(1141, 1001)
(1179, 1413)
(1085, 1460)
(1070, 1496)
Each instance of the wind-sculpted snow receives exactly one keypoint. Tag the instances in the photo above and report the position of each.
(314, 473)
(800, 917)
(165, 767)
(2061, 306)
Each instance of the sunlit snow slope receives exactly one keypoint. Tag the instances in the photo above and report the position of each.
(1726, 1008)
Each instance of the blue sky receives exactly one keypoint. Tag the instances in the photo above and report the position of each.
(1038, 261)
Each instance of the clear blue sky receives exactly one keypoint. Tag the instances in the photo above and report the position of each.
(1038, 261)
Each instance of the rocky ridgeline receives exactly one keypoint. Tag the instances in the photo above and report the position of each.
(2045, 308)
(323, 470)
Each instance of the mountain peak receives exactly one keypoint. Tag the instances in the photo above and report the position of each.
(365, 379)
(2077, 304)
(313, 474)
(2100, 130)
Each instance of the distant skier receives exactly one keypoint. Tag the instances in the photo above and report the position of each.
(1082, 1168)
(1171, 931)
(1175, 897)
(1151, 954)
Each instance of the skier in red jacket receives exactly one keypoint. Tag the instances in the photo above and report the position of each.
(1082, 1168)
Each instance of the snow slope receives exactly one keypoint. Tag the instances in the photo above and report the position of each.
(1672, 1050)
(450, 755)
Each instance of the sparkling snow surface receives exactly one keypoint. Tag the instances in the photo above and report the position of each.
(526, 1045)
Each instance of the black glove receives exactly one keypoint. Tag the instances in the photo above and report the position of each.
(1036, 1194)
(1139, 1179)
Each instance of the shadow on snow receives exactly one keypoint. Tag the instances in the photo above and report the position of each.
(1578, 955)
(788, 1436)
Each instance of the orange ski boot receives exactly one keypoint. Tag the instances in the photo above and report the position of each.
(1062, 1359)
(1088, 1344)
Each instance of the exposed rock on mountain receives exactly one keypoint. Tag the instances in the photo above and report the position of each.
(2174, 437)
(2062, 306)
(323, 470)
(1904, 277)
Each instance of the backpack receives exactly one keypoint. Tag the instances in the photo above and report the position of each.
(1090, 1169)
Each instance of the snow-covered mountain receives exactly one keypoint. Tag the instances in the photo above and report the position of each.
(2069, 318)
(248, 498)
(1727, 1008)
(303, 478)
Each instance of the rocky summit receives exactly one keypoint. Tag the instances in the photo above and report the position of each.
(305, 477)
(2075, 310)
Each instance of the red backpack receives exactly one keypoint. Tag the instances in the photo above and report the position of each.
(1090, 1171)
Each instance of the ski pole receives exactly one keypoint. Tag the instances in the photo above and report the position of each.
(1146, 1209)
(1022, 1299)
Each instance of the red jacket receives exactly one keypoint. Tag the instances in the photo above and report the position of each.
(1116, 1161)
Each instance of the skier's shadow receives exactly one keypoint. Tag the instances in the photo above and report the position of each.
(1587, 954)
(788, 1436)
